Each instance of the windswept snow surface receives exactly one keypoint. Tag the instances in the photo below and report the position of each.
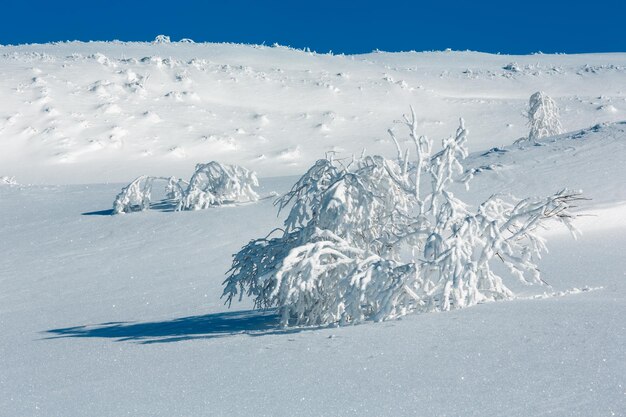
(106, 315)
(94, 112)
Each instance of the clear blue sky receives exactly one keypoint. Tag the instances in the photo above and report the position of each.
(341, 26)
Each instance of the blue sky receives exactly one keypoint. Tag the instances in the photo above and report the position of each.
(340, 26)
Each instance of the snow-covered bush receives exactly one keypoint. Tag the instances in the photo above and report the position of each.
(137, 196)
(216, 184)
(512, 66)
(211, 184)
(543, 117)
(362, 241)
(162, 39)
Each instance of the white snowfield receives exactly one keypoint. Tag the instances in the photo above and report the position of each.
(93, 112)
(106, 315)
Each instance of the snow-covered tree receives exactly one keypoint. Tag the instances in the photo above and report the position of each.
(211, 184)
(543, 117)
(362, 241)
(137, 196)
(215, 184)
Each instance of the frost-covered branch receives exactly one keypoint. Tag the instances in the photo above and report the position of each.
(543, 117)
(215, 184)
(212, 184)
(136, 196)
(360, 242)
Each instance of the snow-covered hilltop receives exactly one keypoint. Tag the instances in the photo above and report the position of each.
(94, 112)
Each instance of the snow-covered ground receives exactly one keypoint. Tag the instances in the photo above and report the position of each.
(121, 315)
(83, 113)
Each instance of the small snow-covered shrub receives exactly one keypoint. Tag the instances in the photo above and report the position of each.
(211, 184)
(543, 117)
(215, 184)
(137, 196)
(512, 66)
(134, 197)
(363, 241)
(162, 39)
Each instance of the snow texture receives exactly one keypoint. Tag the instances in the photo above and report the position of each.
(121, 315)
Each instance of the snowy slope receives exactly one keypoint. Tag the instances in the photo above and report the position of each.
(94, 112)
(121, 315)
(591, 160)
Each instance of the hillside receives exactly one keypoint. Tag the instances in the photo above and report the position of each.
(96, 112)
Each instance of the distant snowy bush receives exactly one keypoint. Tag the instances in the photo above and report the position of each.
(215, 184)
(137, 196)
(162, 39)
(362, 240)
(543, 117)
(212, 184)
(512, 66)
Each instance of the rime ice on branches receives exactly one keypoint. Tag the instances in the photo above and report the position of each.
(364, 239)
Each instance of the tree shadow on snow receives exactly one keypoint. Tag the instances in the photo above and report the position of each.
(99, 213)
(249, 322)
(162, 205)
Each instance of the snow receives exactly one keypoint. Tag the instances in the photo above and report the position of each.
(113, 111)
(121, 315)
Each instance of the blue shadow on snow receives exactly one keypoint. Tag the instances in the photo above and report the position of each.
(162, 205)
(249, 322)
